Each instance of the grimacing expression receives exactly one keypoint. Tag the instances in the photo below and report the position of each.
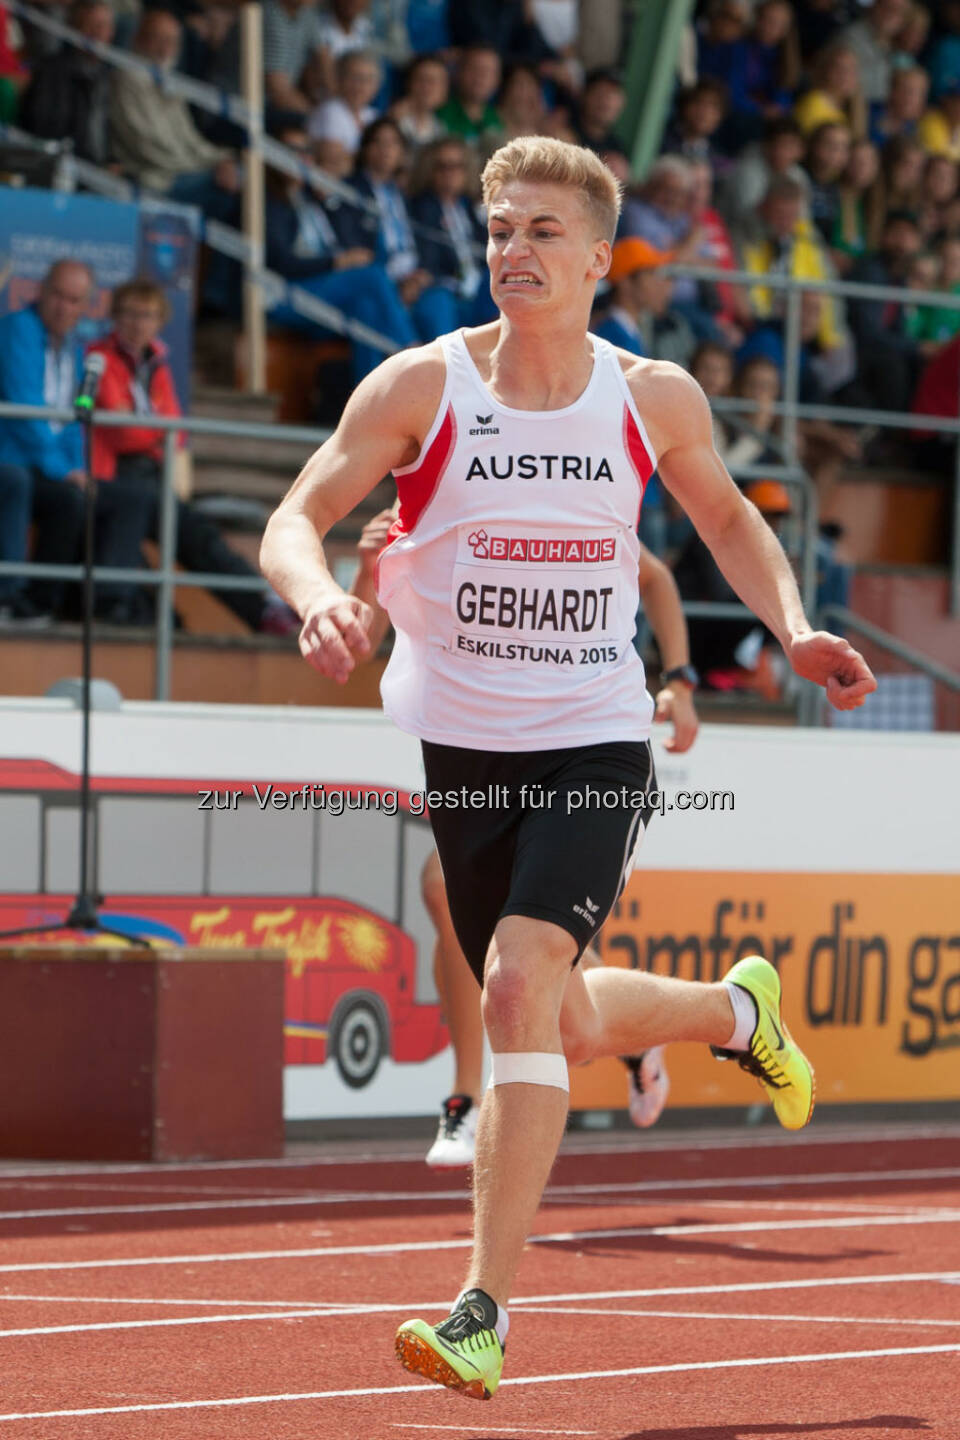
(543, 250)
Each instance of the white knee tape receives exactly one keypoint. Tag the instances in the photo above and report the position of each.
(530, 1067)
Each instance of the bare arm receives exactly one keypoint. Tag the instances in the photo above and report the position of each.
(664, 609)
(739, 539)
(364, 587)
(381, 429)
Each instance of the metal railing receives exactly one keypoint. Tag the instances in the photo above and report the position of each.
(166, 578)
(790, 409)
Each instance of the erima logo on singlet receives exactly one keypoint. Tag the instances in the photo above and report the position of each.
(540, 550)
(538, 467)
(485, 426)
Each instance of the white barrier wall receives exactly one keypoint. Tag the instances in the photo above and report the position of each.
(837, 854)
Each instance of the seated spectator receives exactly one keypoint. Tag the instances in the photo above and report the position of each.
(344, 26)
(344, 117)
(828, 151)
(835, 96)
(127, 465)
(292, 37)
(13, 72)
(470, 112)
(597, 112)
(698, 115)
(937, 393)
(303, 246)
(557, 27)
(42, 466)
(521, 106)
(460, 294)
(941, 323)
(939, 129)
(787, 244)
(659, 211)
(723, 52)
(873, 41)
(888, 359)
(718, 310)
(751, 433)
(904, 107)
(779, 153)
(711, 365)
(938, 190)
(640, 318)
(923, 274)
(860, 216)
(901, 168)
(910, 41)
(426, 90)
(211, 52)
(69, 91)
(773, 60)
(153, 134)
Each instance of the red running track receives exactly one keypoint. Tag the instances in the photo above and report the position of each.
(678, 1288)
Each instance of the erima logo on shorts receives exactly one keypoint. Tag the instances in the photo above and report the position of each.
(527, 550)
(485, 426)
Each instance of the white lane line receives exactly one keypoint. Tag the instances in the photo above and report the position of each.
(558, 1237)
(733, 1315)
(423, 1390)
(625, 1188)
(668, 1144)
(315, 1313)
(414, 1307)
(320, 1305)
(310, 1314)
(489, 1429)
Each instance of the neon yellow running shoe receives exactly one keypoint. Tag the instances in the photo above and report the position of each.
(774, 1058)
(462, 1352)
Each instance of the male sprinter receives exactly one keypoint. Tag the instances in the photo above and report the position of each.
(520, 451)
(648, 1081)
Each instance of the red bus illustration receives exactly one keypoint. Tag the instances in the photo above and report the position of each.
(175, 872)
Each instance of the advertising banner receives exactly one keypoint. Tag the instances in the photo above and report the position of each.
(154, 240)
(835, 855)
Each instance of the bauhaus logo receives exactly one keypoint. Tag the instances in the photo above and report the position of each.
(485, 426)
(539, 550)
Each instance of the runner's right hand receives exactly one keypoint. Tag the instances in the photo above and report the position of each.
(335, 635)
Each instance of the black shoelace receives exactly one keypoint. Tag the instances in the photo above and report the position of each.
(465, 1328)
(761, 1063)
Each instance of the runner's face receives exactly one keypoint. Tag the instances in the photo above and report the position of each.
(543, 250)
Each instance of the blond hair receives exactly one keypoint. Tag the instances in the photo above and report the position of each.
(543, 160)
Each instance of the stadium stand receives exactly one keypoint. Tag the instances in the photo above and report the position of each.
(805, 139)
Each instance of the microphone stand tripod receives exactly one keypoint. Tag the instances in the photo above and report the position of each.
(84, 913)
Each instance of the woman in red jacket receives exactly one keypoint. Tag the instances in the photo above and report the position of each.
(127, 463)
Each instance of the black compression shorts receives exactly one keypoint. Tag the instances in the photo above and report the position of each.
(547, 833)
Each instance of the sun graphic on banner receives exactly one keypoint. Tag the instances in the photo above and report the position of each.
(365, 942)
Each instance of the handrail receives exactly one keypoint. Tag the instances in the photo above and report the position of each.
(901, 648)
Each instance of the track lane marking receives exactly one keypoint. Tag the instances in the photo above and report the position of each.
(422, 1389)
(625, 1188)
(662, 1144)
(559, 1237)
(733, 1315)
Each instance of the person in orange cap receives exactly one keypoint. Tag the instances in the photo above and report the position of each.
(639, 318)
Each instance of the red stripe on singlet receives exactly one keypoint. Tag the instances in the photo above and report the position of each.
(417, 488)
(638, 453)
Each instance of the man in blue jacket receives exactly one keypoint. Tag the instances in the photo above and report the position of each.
(42, 475)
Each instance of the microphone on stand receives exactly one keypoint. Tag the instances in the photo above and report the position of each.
(93, 368)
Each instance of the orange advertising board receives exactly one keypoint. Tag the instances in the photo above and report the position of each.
(870, 967)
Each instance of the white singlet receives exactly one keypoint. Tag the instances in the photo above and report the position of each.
(511, 573)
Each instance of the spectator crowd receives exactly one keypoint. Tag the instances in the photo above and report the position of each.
(818, 139)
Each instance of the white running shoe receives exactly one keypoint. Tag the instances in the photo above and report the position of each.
(456, 1134)
(649, 1086)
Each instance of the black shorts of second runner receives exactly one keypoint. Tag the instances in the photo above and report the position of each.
(549, 834)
